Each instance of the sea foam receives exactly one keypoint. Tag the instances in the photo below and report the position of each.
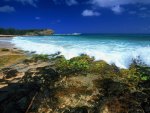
(120, 53)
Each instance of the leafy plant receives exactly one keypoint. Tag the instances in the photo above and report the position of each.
(141, 71)
(80, 64)
(41, 57)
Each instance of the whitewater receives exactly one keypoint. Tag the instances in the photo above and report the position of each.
(114, 49)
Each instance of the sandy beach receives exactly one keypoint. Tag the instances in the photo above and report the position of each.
(5, 42)
(6, 36)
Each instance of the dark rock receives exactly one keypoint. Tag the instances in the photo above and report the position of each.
(146, 107)
(22, 103)
(41, 74)
(9, 72)
(77, 110)
(5, 49)
(111, 88)
(33, 52)
(10, 108)
(117, 95)
(144, 84)
(3, 96)
(146, 91)
(48, 72)
(139, 96)
(17, 98)
(27, 61)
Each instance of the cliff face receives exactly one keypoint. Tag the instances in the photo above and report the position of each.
(45, 32)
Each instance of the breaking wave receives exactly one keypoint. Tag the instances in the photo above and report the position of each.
(120, 53)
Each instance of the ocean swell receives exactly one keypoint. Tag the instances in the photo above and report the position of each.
(121, 56)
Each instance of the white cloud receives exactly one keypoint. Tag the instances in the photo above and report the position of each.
(71, 2)
(37, 18)
(31, 2)
(68, 2)
(117, 5)
(144, 15)
(90, 13)
(7, 9)
(117, 9)
(143, 8)
(132, 12)
(111, 3)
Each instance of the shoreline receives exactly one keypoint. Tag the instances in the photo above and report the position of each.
(5, 42)
(7, 36)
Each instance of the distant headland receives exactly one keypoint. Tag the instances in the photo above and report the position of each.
(10, 32)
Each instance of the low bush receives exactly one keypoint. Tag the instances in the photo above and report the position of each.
(99, 67)
(84, 64)
(143, 72)
(41, 57)
(138, 72)
(80, 64)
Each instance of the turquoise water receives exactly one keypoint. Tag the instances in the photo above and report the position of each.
(118, 49)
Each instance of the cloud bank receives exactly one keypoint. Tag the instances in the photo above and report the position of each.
(31, 2)
(71, 2)
(90, 13)
(117, 9)
(7, 9)
(37, 18)
(67, 2)
(117, 5)
(111, 3)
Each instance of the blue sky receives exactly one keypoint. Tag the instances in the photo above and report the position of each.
(83, 16)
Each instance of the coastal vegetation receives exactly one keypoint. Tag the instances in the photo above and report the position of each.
(36, 57)
(33, 32)
(53, 84)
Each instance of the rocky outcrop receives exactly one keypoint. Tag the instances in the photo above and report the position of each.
(119, 98)
(35, 85)
(45, 32)
(9, 73)
(30, 90)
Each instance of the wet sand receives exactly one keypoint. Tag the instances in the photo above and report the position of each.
(5, 42)
(6, 36)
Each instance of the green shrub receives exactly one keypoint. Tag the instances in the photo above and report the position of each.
(99, 67)
(40, 57)
(80, 64)
(83, 57)
(143, 72)
(104, 69)
(84, 64)
(140, 72)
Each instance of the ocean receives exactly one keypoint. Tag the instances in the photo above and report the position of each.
(118, 49)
